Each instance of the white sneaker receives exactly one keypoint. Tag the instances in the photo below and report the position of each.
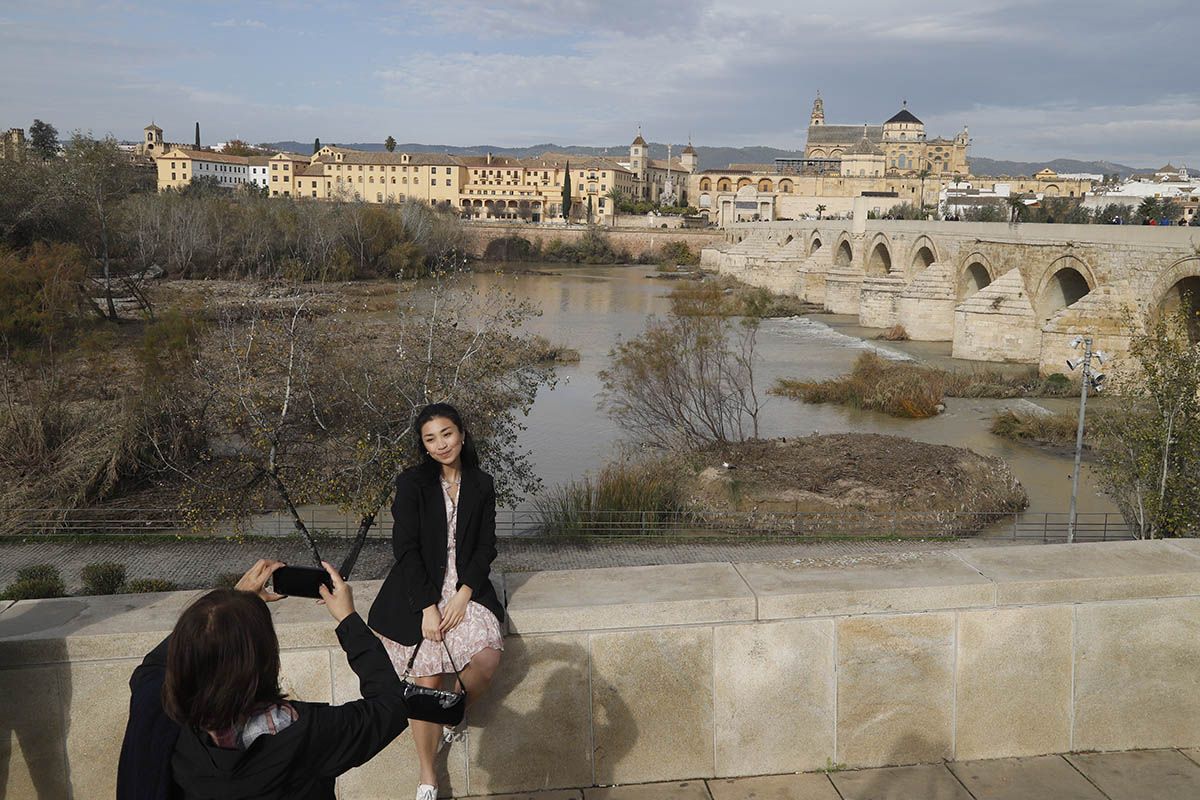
(426, 792)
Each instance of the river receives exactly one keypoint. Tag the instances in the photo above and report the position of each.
(591, 308)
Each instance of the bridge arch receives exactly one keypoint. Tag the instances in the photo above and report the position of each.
(1179, 287)
(923, 254)
(976, 273)
(843, 255)
(814, 243)
(1067, 281)
(879, 258)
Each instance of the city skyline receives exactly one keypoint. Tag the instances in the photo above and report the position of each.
(1032, 82)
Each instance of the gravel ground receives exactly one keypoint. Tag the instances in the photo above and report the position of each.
(197, 563)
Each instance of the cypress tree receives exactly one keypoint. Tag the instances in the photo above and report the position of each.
(197, 135)
(566, 194)
(316, 144)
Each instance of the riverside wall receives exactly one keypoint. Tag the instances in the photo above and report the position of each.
(638, 241)
(701, 670)
(998, 292)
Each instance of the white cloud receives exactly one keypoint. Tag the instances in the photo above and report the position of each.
(240, 23)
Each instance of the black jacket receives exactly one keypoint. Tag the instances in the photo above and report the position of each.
(419, 543)
(299, 762)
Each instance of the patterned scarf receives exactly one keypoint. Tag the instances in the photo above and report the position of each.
(262, 721)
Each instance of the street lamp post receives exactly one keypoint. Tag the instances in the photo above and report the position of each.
(1089, 380)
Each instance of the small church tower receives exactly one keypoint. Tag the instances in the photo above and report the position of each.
(639, 156)
(152, 142)
(689, 159)
(818, 112)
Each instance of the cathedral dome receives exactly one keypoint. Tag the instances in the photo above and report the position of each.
(904, 115)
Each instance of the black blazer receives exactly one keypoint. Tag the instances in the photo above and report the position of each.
(161, 760)
(419, 543)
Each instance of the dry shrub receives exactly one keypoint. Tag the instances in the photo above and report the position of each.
(896, 333)
(1055, 429)
(905, 389)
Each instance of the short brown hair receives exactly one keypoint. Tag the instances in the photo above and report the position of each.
(222, 661)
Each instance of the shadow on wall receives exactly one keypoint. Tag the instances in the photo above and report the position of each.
(525, 740)
(36, 719)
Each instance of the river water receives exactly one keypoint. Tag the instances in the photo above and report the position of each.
(591, 308)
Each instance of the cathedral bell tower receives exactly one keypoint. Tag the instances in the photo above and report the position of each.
(818, 111)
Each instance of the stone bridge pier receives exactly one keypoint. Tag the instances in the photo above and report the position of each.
(998, 292)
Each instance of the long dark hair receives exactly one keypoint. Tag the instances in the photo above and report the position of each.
(223, 660)
(470, 458)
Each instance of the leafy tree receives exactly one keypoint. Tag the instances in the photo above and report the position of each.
(239, 147)
(197, 135)
(316, 144)
(566, 193)
(1016, 208)
(589, 210)
(390, 144)
(1150, 452)
(43, 139)
(1112, 213)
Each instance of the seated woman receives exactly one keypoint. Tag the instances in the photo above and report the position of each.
(222, 724)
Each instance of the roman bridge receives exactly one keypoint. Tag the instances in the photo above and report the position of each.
(999, 292)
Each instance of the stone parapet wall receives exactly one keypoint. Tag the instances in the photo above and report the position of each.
(694, 671)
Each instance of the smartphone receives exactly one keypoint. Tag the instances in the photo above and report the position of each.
(300, 581)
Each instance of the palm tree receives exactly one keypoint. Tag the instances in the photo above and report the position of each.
(390, 144)
(821, 210)
(1016, 206)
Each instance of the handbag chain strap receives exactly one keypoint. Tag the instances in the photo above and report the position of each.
(412, 659)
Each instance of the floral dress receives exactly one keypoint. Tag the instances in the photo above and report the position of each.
(478, 629)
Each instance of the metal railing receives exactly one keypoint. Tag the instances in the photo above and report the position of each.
(603, 525)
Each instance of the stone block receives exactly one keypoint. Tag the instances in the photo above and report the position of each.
(926, 782)
(895, 689)
(307, 674)
(1083, 572)
(624, 597)
(32, 730)
(773, 690)
(866, 584)
(1048, 777)
(774, 787)
(1161, 774)
(533, 729)
(394, 770)
(1013, 682)
(652, 705)
(685, 790)
(1136, 682)
(96, 709)
(88, 628)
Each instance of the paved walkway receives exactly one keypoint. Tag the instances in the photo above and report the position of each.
(200, 562)
(1136, 775)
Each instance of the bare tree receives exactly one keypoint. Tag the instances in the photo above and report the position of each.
(687, 380)
(310, 413)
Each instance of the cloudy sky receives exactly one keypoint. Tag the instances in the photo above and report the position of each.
(1033, 79)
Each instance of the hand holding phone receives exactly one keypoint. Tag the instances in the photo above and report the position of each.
(301, 581)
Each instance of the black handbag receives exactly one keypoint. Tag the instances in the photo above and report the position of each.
(443, 706)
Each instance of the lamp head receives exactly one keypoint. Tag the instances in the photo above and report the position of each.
(1078, 340)
(1073, 363)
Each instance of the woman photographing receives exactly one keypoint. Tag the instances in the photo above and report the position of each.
(208, 720)
(438, 602)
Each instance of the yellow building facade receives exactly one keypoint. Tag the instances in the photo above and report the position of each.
(478, 187)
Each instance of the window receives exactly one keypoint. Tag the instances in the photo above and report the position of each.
(274, 178)
(447, 181)
(172, 176)
(379, 197)
(314, 193)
